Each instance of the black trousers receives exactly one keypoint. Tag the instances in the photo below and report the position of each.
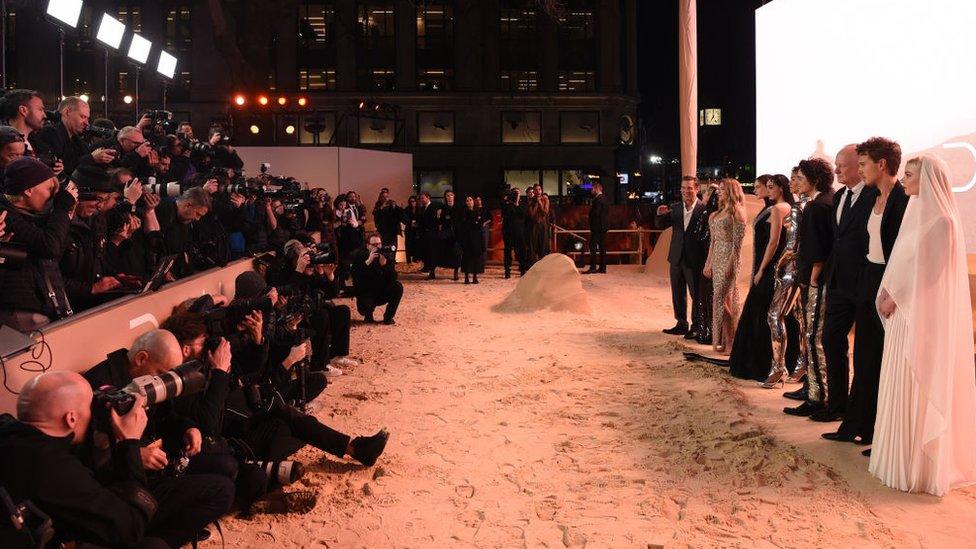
(598, 243)
(187, 504)
(840, 315)
(250, 481)
(339, 325)
(684, 280)
(367, 302)
(862, 408)
(515, 246)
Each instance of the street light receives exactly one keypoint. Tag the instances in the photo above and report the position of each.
(110, 32)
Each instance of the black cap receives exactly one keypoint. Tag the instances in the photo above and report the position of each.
(25, 173)
(9, 134)
(249, 285)
(92, 178)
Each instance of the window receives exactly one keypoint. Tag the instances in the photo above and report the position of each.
(322, 122)
(554, 182)
(376, 25)
(579, 127)
(130, 15)
(577, 81)
(520, 81)
(435, 25)
(382, 80)
(376, 131)
(521, 127)
(316, 79)
(435, 128)
(316, 23)
(434, 79)
(576, 25)
(435, 182)
(179, 31)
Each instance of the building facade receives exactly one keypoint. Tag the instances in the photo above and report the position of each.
(481, 92)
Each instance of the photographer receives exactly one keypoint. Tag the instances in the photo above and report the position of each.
(388, 217)
(175, 219)
(132, 151)
(375, 280)
(33, 294)
(12, 146)
(64, 138)
(224, 155)
(24, 111)
(180, 168)
(55, 411)
(205, 492)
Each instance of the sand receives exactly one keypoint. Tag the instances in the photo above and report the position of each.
(557, 429)
(552, 284)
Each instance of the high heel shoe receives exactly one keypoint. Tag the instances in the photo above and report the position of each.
(773, 379)
(798, 376)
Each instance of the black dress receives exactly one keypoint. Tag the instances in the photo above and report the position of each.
(472, 241)
(448, 250)
(752, 349)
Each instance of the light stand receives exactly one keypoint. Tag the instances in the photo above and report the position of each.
(110, 33)
(63, 12)
(136, 96)
(3, 44)
(61, 63)
(105, 97)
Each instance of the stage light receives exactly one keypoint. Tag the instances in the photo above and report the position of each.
(302, 101)
(166, 65)
(255, 129)
(290, 129)
(655, 159)
(110, 31)
(139, 49)
(127, 99)
(263, 100)
(65, 11)
(282, 101)
(83, 97)
(239, 100)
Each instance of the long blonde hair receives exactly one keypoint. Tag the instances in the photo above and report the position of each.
(730, 196)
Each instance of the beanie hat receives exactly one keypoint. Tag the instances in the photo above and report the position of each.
(92, 178)
(249, 285)
(25, 173)
(9, 134)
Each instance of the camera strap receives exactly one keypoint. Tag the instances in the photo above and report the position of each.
(62, 307)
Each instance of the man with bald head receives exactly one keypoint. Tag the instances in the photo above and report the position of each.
(852, 208)
(54, 411)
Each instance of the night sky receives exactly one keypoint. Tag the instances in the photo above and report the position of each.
(726, 79)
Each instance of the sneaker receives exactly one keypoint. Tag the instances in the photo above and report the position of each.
(366, 450)
(331, 371)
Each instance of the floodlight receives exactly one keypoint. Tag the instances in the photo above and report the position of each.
(127, 99)
(263, 100)
(65, 11)
(282, 101)
(110, 31)
(139, 49)
(290, 129)
(84, 97)
(255, 129)
(239, 100)
(302, 101)
(167, 65)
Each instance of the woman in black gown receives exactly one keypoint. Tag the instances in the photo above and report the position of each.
(701, 309)
(752, 349)
(470, 225)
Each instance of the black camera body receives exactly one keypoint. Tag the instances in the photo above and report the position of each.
(186, 379)
(323, 254)
(388, 249)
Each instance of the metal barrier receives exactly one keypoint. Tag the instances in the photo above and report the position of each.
(639, 252)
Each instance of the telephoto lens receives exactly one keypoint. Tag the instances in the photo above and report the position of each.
(12, 255)
(282, 472)
(171, 189)
(187, 378)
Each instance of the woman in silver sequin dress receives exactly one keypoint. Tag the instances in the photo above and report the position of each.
(728, 228)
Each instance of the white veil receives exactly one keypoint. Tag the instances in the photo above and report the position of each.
(927, 276)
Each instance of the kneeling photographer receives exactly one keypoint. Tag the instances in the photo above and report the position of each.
(202, 492)
(374, 279)
(54, 413)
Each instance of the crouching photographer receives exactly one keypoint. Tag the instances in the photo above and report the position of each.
(374, 279)
(198, 491)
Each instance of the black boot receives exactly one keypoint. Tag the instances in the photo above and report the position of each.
(365, 450)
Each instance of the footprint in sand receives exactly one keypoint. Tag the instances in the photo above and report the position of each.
(464, 491)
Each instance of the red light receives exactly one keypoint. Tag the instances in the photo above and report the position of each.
(263, 100)
(282, 101)
(302, 101)
(239, 100)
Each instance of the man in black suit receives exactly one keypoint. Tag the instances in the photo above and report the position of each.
(816, 237)
(599, 223)
(64, 139)
(513, 231)
(852, 207)
(427, 229)
(685, 257)
(878, 163)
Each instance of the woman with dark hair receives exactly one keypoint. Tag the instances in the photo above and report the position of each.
(411, 223)
(470, 223)
(479, 206)
(701, 308)
(752, 349)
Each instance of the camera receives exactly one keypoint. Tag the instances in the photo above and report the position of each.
(323, 254)
(99, 132)
(186, 379)
(12, 255)
(171, 189)
(49, 159)
(388, 249)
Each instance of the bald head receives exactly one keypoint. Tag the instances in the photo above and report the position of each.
(56, 403)
(846, 166)
(153, 353)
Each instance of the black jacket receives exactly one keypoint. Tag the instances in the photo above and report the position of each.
(132, 161)
(599, 215)
(427, 220)
(848, 254)
(54, 140)
(45, 238)
(816, 236)
(42, 468)
(81, 264)
(513, 219)
(371, 279)
(685, 249)
(176, 237)
(388, 220)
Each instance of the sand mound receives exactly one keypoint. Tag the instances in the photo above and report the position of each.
(553, 283)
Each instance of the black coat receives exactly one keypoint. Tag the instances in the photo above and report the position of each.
(427, 220)
(371, 279)
(816, 235)
(513, 220)
(81, 264)
(43, 469)
(45, 238)
(54, 140)
(132, 161)
(685, 249)
(850, 247)
(599, 215)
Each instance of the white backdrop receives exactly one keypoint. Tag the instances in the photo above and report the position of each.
(832, 72)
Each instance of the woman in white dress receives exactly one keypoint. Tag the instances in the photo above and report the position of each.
(925, 433)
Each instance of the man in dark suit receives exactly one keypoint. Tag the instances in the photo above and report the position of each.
(64, 139)
(513, 231)
(685, 257)
(815, 241)
(851, 209)
(599, 223)
(878, 162)
(427, 229)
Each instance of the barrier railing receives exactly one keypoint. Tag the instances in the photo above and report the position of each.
(578, 233)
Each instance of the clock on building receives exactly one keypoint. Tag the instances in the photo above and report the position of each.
(713, 117)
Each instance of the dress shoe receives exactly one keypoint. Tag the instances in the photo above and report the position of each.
(389, 321)
(602, 270)
(866, 453)
(799, 394)
(838, 437)
(824, 416)
(589, 271)
(805, 409)
(678, 329)
(692, 334)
